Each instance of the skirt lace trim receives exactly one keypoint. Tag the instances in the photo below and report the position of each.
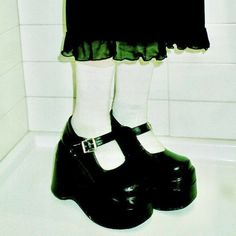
(85, 50)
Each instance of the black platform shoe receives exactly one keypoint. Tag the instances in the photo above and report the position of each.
(172, 176)
(112, 198)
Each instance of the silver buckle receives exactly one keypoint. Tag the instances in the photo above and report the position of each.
(149, 125)
(89, 145)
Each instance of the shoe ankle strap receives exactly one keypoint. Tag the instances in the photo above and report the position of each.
(89, 145)
(142, 128)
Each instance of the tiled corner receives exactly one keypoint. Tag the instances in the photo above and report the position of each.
(196, 78)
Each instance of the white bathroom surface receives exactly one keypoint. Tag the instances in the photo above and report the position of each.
(28, 208)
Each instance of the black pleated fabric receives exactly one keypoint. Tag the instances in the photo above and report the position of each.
(132, 29)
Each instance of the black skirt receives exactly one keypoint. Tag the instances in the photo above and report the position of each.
(127, 29)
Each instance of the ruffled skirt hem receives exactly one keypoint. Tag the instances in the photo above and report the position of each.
(87, 50)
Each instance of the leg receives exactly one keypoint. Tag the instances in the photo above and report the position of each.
(91, 114)
(114, 198)
(130, 105)
(172, 176)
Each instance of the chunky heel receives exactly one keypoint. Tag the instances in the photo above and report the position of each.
(173, 199)
(175, 193)
(62, 178)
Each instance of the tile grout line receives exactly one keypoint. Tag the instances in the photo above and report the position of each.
(10, 69)
(195, 101)
(22, 63)
(150, 99)
(13, 107)
(9, 29)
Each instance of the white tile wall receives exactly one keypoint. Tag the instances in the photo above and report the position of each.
(218, 11)
(159, 116)
(12, 89)
(45, 79)
(198, 84)
(13, 126)
(203, 119)
(41, 42)
(41, 12)
(202, 82)
(13, 114)
(10, 49)
(49, 114)
(159, 87)
(8, 15)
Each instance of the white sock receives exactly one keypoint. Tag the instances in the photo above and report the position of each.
(94, 83)
(131, 100)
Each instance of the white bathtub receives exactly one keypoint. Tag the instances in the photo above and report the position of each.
(28, 208)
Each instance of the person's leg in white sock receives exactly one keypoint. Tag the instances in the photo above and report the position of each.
(94, 84)
(130, 105)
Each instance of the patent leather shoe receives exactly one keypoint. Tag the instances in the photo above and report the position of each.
(172, 177)
(114, 198)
